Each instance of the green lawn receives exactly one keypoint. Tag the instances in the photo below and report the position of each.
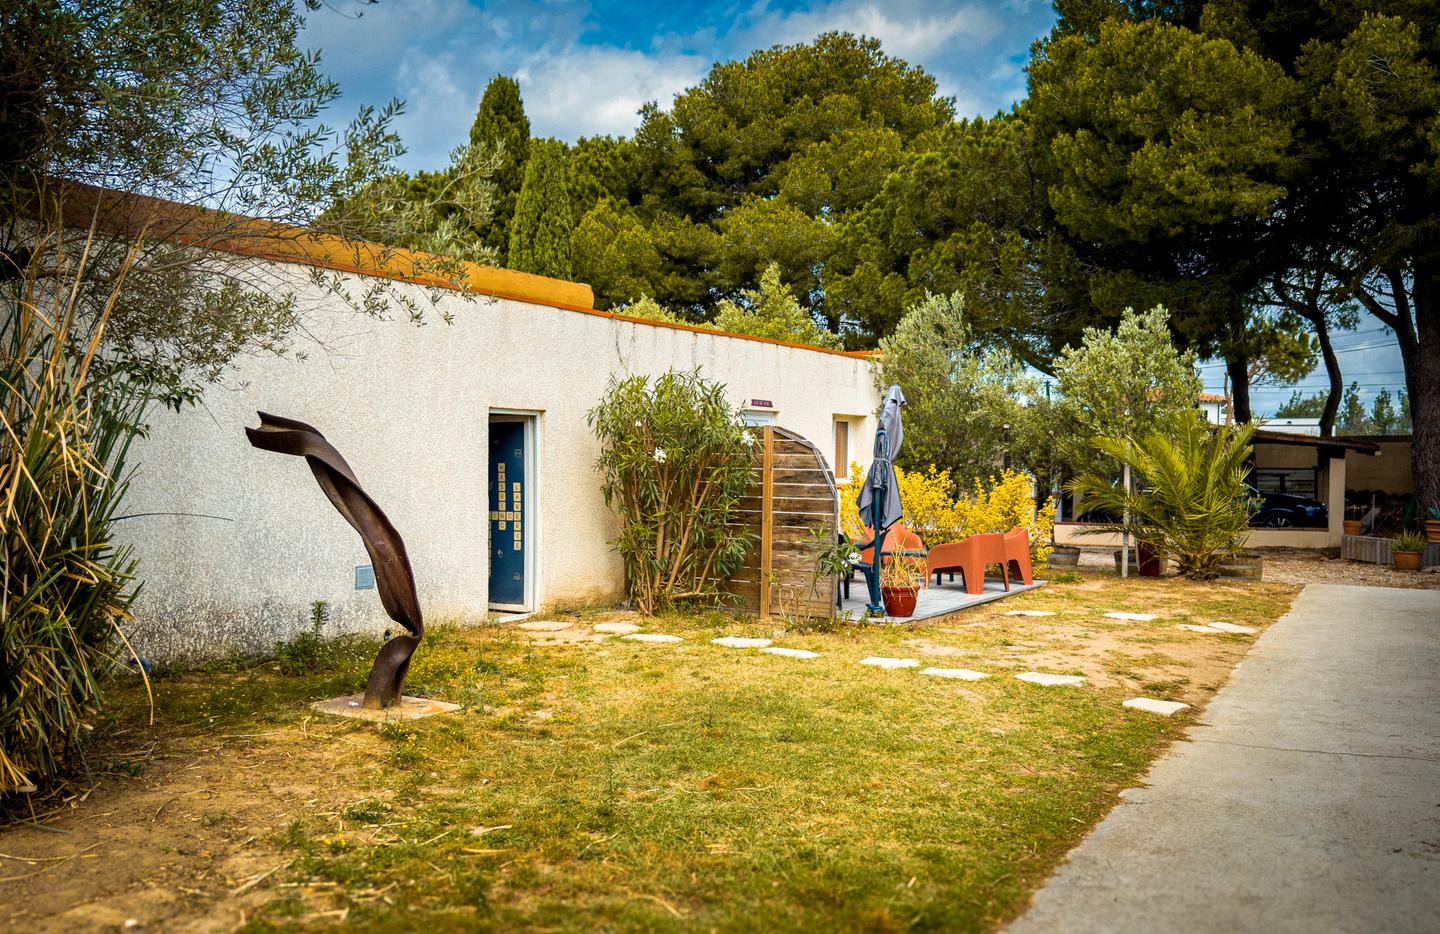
(625, 786)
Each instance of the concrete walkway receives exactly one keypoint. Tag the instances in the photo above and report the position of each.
(1307, 800)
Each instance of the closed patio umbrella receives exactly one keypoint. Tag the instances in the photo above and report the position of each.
(879, 500)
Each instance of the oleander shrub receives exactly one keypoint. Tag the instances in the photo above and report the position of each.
(675, 461)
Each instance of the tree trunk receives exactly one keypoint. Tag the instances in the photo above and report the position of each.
(1239, 369)
(1332, 371)
(1421, 353)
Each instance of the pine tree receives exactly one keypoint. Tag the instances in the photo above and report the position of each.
(1302, 406)
(1353, 418)
(772, 311)
(501, 124)
(1383, 416)
(540, 230)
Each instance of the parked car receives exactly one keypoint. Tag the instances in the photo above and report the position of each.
(1287, 510)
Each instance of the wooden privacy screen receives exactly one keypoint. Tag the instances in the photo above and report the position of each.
(792, 494)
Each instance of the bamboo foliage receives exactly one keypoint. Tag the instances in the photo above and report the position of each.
(1191, 503)
(675, 462)
(65, 587)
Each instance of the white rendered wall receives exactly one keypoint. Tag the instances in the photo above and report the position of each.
(408, 407)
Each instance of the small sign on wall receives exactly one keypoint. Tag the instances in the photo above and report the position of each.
(761, 404)
(364, 577)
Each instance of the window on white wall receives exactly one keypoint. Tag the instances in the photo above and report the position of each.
(841, 464)
(756, 417)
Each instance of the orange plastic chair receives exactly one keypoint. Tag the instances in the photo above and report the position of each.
(898, 538)
(970, 557)
(1017, 552)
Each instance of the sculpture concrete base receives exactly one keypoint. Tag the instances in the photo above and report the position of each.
(406, 708)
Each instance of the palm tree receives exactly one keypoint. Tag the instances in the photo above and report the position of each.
(1194, 507)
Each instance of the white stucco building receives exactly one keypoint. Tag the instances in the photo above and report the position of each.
(236, 543)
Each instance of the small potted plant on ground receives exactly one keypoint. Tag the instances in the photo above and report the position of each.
(901, 577)
(1408, 547)
(1354, 519)
(1432, 526)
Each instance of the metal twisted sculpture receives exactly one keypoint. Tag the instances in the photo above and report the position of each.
(393, 577)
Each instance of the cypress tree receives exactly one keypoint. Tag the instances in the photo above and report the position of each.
(540, 230)
(501, 123)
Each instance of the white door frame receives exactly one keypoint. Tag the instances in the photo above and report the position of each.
(530, 511)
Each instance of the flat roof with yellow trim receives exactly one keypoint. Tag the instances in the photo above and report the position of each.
(128, 214)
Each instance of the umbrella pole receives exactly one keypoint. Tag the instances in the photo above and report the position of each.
(877, 555)
(877, 552)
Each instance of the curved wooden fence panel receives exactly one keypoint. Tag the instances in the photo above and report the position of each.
(791, 508)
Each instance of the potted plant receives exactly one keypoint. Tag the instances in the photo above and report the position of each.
(1432, 526)
(900, 579)
(1408, 547)
(1354, 519)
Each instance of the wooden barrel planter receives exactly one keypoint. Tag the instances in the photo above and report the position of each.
(1064, 558)
(791, 500)
(1244, 566)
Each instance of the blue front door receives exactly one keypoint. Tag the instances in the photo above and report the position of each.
(507, 512)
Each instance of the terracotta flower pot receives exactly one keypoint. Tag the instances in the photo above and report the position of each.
(1352, 526)
(1407, 560)
(1432, 531)
(899, 601)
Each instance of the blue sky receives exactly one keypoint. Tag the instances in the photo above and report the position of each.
(587, 67)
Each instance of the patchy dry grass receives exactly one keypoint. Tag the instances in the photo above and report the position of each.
(611, 784)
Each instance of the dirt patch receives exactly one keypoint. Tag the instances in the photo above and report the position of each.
(185, 842)
(1132, 656)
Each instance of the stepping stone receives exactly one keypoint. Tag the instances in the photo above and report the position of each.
(545, 625)
(879, 661)
(739, 642)
(1231, 627)
(652, 637)
(791, 653)
(964, 674)
(1040, 677)
(1029, 613)
(1132, 617)
(1164, 708)
(1191, 627)
(618, 629)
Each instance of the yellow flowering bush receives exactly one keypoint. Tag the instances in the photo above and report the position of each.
(1004, 503)
(850, 522)
(938, 515)
(929, 500)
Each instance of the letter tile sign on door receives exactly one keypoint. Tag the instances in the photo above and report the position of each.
(507, 513)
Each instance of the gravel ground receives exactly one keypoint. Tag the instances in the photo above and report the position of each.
(1300, 566)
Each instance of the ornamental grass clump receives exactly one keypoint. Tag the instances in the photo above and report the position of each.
(675, 462)
(1190, 503)
(65, 587)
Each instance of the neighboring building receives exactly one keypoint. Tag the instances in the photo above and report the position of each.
(236, 544)
(1216, 408)
(1289, 465)
(1292, 426)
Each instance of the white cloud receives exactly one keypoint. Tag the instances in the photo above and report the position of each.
(592, 90)
(915, 31)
